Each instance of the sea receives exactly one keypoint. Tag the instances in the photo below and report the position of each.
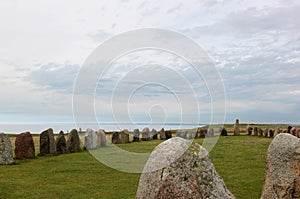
(37, 128)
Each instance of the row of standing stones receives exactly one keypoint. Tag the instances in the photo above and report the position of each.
(24, 144)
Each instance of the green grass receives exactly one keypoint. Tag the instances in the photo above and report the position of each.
(240, 160)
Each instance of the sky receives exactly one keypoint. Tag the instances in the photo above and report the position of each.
(254, 46)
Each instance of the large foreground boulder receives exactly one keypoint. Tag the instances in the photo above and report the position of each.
(47, 142)
(6, 154)
(24, 146)
(177, 170)
(282, 179)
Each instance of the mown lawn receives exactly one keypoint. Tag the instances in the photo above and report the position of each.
(239, 160)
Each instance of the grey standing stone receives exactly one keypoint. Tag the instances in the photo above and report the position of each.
(101, 138)
(162, 134)
(211, 132)
(266, 132)
(260, 132)
(201, 132)
(90, 139)
(145, 134)
(223, 131)
(282, 179)
(115, 138)
(277, 131)
(177, 170)
(236, 128)
(270, 133)
(24, 146)
(136, 135)
(124, 136)
(6, 153)
(73, 142)
(47, 142)
(255, 131)
(61, 143)
(154, 134)
(298, 133)
(182, 134)
(249, 130)
(168, 134)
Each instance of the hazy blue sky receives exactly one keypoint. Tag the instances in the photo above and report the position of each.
(255, 45)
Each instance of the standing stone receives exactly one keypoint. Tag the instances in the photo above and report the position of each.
(24, 146)
(73, 142)
(236, 128)
(47, 142)
(124, 136)
(61, 144)
(255, 131)
(294, 131)
(154, 134)
(101, 138)
(270, 133)
(266, 133)
(177, 170)
(181, 133)
(298, 133)
(201, 132)
(289, 129)
(90, 139)
(115, 138)
(211, 132)
(136, 135)
(260, 132)
(223, 131)
(145, 134)
(282, 179)
(168, 134)
(277, 131)
(249, 130)
(162, 134)
(6, 153)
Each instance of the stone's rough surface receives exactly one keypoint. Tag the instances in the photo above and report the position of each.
(236, 129)
(101, 138)
(6, 153)
(266, 132)
(298, 133)
(277, 131)
(249, 130)
(201, 132)
(211, 132)
(90, 139)
(24, 146)
(223, 131)
(145, 134)
(162, 134)
(47, 142)
(154, 134)
(260, 132)
(168, 134)
(73, 143)
(124, 136)
(282, 179)
(61, 144)
(115, 138)
(136, 135)
(255, 131)
(294, 131)
(177, 170)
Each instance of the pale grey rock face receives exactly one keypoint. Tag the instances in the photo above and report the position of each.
(6, 153)
(90, 139)
(145, 134)
(236, 130)
(282, 179)
(177, 169)
(101, 138)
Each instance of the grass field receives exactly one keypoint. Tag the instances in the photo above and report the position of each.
(240, 160)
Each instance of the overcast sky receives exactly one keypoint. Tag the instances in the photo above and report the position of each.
(255, 45)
